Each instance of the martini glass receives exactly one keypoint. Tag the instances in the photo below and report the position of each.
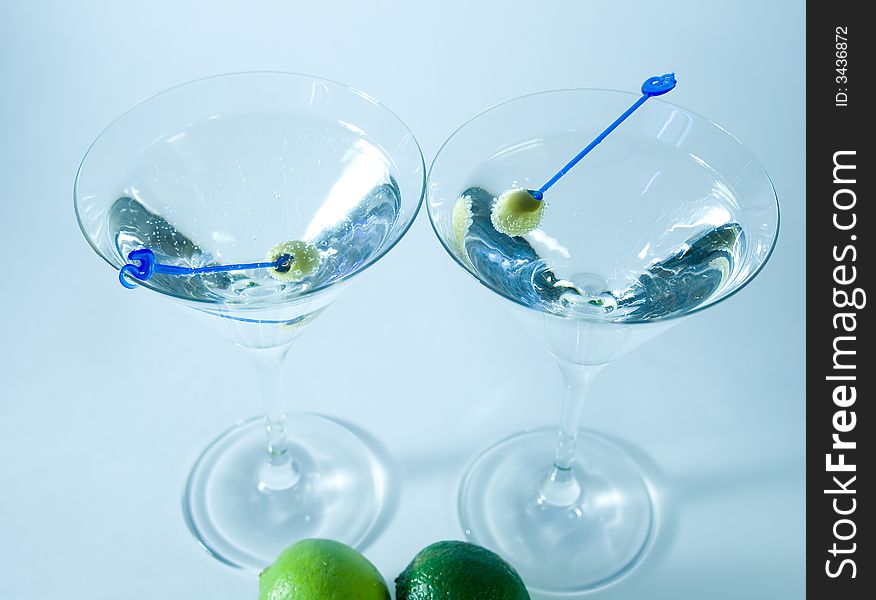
(216, 172)
(668, 216)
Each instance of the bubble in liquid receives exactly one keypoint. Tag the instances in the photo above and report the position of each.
(592, 298)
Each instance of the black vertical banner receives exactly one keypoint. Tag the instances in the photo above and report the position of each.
(840, 233)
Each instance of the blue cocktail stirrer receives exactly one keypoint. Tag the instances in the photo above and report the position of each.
(146, 266)
(653, 86)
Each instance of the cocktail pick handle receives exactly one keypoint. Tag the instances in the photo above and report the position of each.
(659, 85)
(653, 86)
(142, 266)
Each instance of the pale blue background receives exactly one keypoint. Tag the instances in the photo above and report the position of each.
(92, 463)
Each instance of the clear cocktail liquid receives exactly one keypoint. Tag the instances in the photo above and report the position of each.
(673, 245)
(346, 208)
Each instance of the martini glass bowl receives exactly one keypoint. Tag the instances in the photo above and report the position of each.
(666, 217)
(217, 172)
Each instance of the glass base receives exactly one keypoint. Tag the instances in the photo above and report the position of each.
(337, 489)
(599, 535)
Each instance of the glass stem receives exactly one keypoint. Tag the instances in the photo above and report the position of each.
(279, 471)
(561, 487)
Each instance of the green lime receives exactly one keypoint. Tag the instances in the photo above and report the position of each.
(459, 571)
(321, 570)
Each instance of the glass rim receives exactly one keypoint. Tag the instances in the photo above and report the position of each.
(258, 305)
(585, 318)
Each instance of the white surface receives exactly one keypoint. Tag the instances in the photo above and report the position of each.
(92, 463)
